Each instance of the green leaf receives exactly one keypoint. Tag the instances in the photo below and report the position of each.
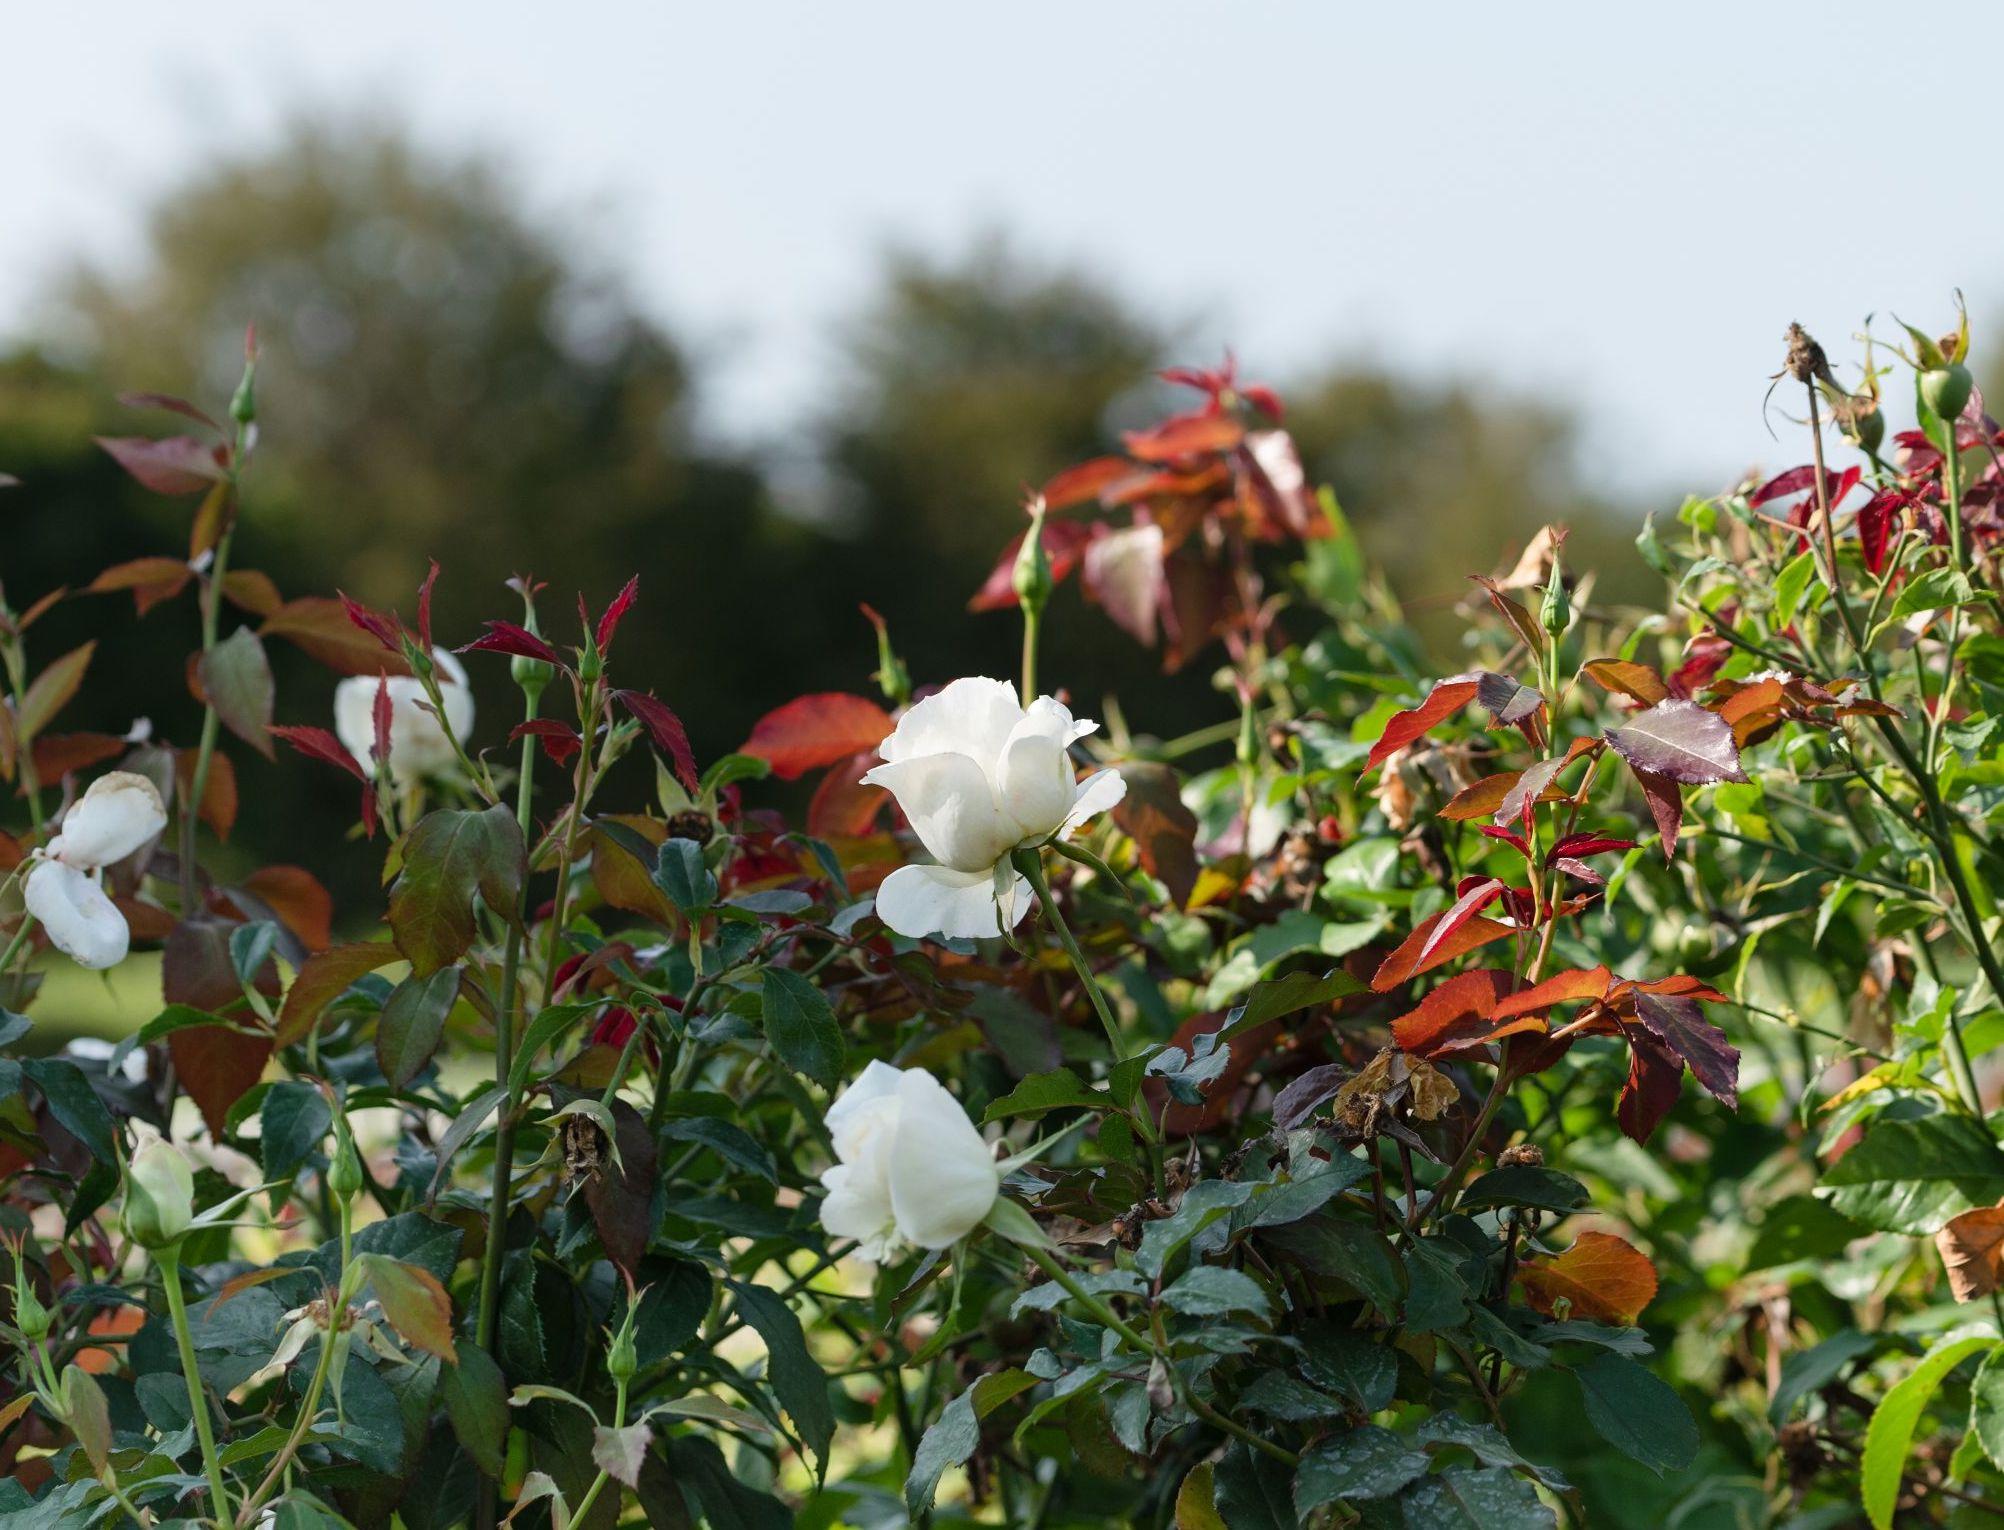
(1041, 1093)
(1344, 1361)
(1637, 1413)
(1203, 1203)
(1936, 590)
(800, 1025)
(1362, 1463)
(1809, 1370)
(412, 1022)
(1284, 996)
(1479, 1498)
(451, 855)
(1986, 1406)
(1789, 585)
(543, 1032)
(1890, 1436)
(619, 1452)
(1520, 1184)
(957, 1431)
(1348, 1251)
(236, 678)
(680, 873)
(1010, 1220)
(797, 1378)
(74, 1103)
(1254, 1491)
(292, 1121)
(1800, 1227)
(1211, 1290)
(1910, 1176)
(475, 1395)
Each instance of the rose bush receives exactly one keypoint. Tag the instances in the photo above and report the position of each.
(1554, 1092)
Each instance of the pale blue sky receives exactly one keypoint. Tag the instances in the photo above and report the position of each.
(1619, 205)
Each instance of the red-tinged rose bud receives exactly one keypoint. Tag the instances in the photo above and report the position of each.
(1329, 829)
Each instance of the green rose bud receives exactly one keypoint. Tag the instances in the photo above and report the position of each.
(30, 1316)
(1033, 565)
(622, 1359)
(344, 1167)
(1556, 614)
(159, 1195)
(1946, 389)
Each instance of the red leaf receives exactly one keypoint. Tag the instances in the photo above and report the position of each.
(1184, 435)
(621, 604)
(665, 728)
(517, 641)
(1471, 902)
(1483, 798)
(1655, 1079)
(1794, 481)
(1077, 484)
(319, 744)
(1666, 805)
(173, 465)
(1636, 681)
(560, 740)
(1459, 1016)
(424, 607)
(1682, 1027)
(1124, 576)
(295, 895)
(170, 403)
(1589, 844)
(1405, 962)
(380, 627)
(1442, 702)
(1681, 740)
(842, 806)
(1560, 988)
(380, 714)
(1601, 1278)
(151, 580)
(816, 730)
(218, 1065)
(57, 754)
(321, 625)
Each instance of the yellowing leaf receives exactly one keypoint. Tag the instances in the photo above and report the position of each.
(1601, 1277)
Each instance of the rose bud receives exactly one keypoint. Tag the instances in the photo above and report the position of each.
(159, 1195)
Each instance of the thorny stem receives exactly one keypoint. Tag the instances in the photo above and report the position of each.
(309, 1409)
(598, 1483)
(169, 1260)
(1031, 864)
(198, 778)
(504, 1061)
(1917, 770)
(1049, 1264)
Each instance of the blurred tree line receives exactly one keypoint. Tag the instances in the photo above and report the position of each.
(441, 377)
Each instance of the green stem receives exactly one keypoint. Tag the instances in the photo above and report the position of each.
(309, 1409)
(1032, 626)
(198, 782)
(504, 1060)
(1048, 1262)
(169, 1260)
(1031, 864)
(598, 1483)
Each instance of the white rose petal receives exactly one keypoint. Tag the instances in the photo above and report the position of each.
(119, 813)
(912, 1171)
(419, 745)
(83, 923)
(978, 776)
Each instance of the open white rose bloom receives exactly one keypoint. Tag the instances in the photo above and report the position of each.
(910, 1170)
(419, 745)
(978, 775)
(118, 815)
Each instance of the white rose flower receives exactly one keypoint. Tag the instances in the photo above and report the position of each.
(115, 818)
(418, 742)
(911, 1169)
(978, 776)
